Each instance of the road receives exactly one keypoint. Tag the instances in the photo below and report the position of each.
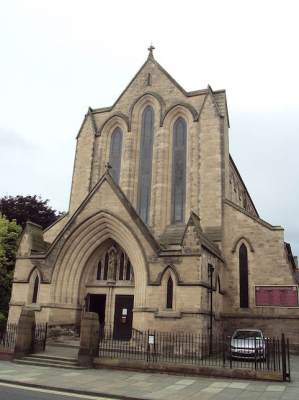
(17, 392)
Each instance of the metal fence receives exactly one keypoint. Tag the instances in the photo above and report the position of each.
(268, 354)
(39, 337)
(8, 335)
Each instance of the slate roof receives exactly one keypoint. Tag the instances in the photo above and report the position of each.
(173, 234)
(204, 239)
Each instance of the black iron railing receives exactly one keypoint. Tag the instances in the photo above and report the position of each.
(268, 354)
(8, 335)
(39, 337)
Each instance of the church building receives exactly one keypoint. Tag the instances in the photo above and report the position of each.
(159, 219)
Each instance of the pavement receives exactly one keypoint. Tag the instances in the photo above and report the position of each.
(132, 385)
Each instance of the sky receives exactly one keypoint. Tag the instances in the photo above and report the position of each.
(57, 58)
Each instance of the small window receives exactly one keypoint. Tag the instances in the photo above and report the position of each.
(121, 267)
(99, 270)
(35, 290)
(128, 272)
(169, 293)
(106, 267)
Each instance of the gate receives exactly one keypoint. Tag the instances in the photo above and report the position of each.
(39, 337)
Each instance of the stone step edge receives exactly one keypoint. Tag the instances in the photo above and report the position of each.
(63, 344)
(52, 365)
(49, 360)
(50, 357)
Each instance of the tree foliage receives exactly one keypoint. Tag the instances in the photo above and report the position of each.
(24, 208)
(10, 233)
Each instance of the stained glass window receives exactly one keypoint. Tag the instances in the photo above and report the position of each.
(115, 153)
(178, 193)
(243, 270)
(145, 164)
(169, 293)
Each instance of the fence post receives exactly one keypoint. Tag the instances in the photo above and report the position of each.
(25, 336)
(223, 350)
(288, 357)
(283, 358)
(89, 340)
(45, 338)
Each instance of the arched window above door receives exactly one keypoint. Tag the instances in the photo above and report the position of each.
(145, 164)
(117, 266)
(115, 153)
(178, 191)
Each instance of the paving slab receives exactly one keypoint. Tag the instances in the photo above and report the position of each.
(128, 384)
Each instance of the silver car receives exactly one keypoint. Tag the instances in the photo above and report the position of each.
(247, 344)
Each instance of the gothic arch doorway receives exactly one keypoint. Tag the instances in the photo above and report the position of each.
(109, 290)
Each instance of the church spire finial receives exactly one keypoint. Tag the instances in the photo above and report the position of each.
(151, 49)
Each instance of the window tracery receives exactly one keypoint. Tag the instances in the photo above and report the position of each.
(117, 266)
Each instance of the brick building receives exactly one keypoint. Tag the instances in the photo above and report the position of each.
(158, 206)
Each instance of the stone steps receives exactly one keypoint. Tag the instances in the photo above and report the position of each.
(66, 343)
(49, 361)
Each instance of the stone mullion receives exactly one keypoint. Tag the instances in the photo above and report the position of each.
(160, 163)
(127, 174)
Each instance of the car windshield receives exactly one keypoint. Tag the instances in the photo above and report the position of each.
(247, 335)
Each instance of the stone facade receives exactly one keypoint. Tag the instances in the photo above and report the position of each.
(101, 253)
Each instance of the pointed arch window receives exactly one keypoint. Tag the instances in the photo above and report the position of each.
(128, 271)
(121, 267)
(106, 267)
(115, 153)
(243, 271)
(35, 290)
(178, 192)
(145, 164)
(99, 270)
(169, 301)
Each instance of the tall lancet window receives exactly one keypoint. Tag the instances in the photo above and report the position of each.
(115, 153)
(169, 293)
(35, 290)
(145, 164)
(243, 270)
(178, 192)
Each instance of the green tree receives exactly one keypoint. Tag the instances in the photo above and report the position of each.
(32, 208)
(10, 233)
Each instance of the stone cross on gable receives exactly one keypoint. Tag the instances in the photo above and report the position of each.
(151, 49)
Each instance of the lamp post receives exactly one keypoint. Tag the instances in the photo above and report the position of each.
(211, 270)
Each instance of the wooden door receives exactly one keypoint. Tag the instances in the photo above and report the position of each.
(123, 317)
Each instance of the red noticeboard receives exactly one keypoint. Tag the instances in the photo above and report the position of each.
(276, 296)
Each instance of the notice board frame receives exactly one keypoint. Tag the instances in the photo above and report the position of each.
(275, 286)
